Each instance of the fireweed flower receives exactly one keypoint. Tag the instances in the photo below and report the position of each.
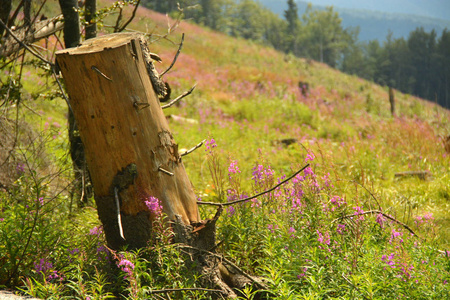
(43, 265)
(97, 230)
(323, 239)
(337, 202)
(231, 211)
(233, 168)
(210, 145)
(396, 235)
(41, 200)
(358, 212)
(309, 157)
(340, 228)
(154, 205)
(126, 266)
(427, 218)
(380, 220)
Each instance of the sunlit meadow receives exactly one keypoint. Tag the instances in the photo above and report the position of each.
(344, 228)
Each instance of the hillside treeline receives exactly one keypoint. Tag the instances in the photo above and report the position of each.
(418, 65)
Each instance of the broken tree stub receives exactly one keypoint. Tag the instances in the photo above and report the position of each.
(129, 148)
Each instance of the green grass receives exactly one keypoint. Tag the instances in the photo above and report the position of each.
(247, 99)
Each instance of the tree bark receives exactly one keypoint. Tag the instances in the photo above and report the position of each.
(69, 9)
(91, 26)
(128, 143)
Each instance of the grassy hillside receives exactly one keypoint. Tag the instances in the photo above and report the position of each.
(345, 228)
(253, 92)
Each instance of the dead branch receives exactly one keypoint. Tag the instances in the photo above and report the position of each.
(175, 58)
(119, 18)
(384, 215)
(184, 289)
(131, 18)
(21, 37)
(193, 149)
(257, 195)
(187, 93)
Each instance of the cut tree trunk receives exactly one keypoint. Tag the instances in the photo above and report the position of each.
(129, 147)
(132, 156)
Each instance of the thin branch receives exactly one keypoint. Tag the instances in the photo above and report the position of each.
(183, 289)
(257, 195)
(61, 88)
(193, 149)
(131, 18)
(187, 93)
(384, 215)
(119, 17)
(23, 44)
(175, 58)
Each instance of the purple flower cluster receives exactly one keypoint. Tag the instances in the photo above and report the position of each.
(126, 266)
(427, 218)
(323, 239)
(340, 228)
(97, 230)
(43, 265)
(359, 212)
(210, 145)
(154, 205)
(46, 268)
(380, 220)
(233, 168)
(389, 260)
(337, 202)
(396, 235)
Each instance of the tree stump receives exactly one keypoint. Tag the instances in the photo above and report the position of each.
(129, 147)
(132, 156)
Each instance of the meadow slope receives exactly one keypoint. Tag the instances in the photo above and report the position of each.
(248, 97)
(344, 228)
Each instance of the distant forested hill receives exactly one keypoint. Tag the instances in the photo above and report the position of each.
(374, 25)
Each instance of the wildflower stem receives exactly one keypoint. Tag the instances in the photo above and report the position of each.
(384, 215)
(257, 195)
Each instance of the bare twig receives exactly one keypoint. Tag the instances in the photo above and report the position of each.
(131, 18)
(193, 149)
(175, 58)
(100, 73)
(165, 171)
(257, 195)
(183, 289)
(61, 88)
(371, 212)
(187, 93)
